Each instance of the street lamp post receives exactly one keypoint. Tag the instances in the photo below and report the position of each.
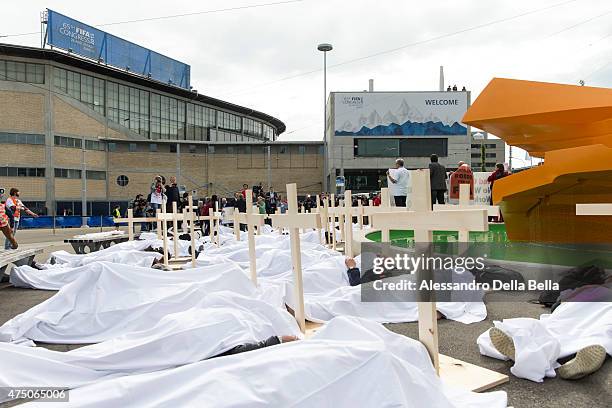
(324, 48)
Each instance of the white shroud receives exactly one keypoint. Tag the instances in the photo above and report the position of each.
(349, 363)
(223, 321)
(540, 343)
(116, 299)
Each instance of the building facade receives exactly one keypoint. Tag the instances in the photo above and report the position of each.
(367, 131)
(486, 152)
(73, 131)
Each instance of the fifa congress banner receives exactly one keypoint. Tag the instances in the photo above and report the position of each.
(399, 113)
(79, 38)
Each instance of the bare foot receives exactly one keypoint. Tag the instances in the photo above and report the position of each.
(287, 339)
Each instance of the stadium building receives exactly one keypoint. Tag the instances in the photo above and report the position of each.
(74, 129)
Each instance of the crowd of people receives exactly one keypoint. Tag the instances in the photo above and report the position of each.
(267, 202)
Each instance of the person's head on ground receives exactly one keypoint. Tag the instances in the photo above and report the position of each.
(434, 158)
(399, 163)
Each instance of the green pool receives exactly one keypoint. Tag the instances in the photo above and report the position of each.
(497, 246)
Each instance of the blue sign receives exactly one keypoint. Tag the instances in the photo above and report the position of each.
(72, 35)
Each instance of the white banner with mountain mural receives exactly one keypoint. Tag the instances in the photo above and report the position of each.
(399, 113)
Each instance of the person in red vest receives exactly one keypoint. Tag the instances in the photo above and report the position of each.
(463, 175)
(500, 172)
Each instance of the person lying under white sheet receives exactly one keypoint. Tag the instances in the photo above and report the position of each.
(229, 324)
(537, 347)
(348, 363)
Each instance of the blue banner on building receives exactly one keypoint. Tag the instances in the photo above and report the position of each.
(72, 35)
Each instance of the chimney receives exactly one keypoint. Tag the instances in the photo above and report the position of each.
(371, 87)
(441, 78)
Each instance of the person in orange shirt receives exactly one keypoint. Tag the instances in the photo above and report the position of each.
(6, 228)
(15, 205)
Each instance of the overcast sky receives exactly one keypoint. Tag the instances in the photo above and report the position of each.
(243, 55)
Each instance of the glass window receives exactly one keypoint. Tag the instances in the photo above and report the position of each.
(73, 84)
(211, 149)
(95, 175)
(153, 147)
(301, 149)
(3, 70)
(377, 147)
(155, 116)
(98, 95)
(124, 107)
(123, 180)
(59, 79)
(173, 148)
(423, 147)
(35, 73)
(192, 148)
(133, 147)
(112, 110)
(87, 90)
(112, 147)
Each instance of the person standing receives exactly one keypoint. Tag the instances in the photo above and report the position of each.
(16, 207)
(157, 193)
(173, 195)
(6, 228)
(398, 186)
(437, 178)
(500, 172)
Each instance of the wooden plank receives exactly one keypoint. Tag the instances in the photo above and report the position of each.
(469, 376)
(594, 209)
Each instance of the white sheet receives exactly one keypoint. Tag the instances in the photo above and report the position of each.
(115, 299)
(223, 321)
(54, 277)
(540, 343)
(349, 363)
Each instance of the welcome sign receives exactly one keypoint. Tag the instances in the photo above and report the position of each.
(399, 113)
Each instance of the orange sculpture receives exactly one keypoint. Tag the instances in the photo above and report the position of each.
(571, 128)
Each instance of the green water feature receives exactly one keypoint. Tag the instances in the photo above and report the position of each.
(496, 245)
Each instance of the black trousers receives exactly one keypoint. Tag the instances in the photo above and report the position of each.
(400, 201)
(437, 195)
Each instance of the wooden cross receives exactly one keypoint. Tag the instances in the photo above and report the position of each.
(130, 222)
(214, 219)
(423, 221)
(348, 225)
(252, 220)
(293, 221)
(464, 203)
(385, 206)
(594, 209)
(187, 216)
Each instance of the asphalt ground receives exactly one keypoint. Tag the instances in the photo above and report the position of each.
(456, 339)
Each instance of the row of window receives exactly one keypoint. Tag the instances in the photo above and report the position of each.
(22, 72)
(22, 172)
(65, 141)
(153, 115)
(212, 149)
(478, 155)
(412, 147)
(22, 138)
(76, 174)
(486, 145)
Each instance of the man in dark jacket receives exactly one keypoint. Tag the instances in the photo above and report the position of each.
(437, 178)
(173, 195)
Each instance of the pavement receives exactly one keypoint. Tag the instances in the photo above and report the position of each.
(456, 339)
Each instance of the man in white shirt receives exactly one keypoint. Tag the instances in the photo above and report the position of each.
(398, 183)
